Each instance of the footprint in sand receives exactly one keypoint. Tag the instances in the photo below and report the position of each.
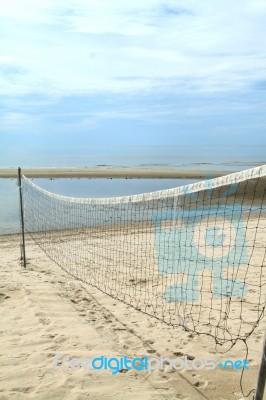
(42, 319)
(200, 382)
(4, 297)
(151, 351)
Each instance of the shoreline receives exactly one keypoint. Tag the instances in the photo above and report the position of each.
(99, 172)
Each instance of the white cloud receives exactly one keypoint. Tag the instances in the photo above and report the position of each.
(84, 46)
(17, 121)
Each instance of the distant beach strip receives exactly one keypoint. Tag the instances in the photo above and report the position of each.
(99, 172)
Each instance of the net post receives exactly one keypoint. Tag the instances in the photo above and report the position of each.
(262, 374)
(23, 253)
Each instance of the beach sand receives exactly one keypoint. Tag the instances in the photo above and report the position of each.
(44, 312)
(111, 172)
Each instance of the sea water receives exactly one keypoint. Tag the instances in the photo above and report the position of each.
(152, 157)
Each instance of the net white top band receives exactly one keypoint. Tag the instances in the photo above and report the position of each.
(178, 191)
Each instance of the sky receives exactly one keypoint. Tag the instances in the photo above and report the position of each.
(102, 72)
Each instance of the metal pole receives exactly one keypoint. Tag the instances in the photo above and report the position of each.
(23, 255)
(262, 374)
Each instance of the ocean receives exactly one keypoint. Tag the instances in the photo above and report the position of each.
(154, 157)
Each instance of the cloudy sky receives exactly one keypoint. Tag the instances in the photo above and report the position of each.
(132, 72)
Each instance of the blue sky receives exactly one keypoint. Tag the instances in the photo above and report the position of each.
(101, 72)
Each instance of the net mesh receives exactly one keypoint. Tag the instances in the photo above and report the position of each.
(192, 256)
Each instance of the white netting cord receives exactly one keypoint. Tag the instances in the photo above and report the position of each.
(192, 256)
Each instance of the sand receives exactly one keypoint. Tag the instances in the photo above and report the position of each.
(105, 172)
(44, 311)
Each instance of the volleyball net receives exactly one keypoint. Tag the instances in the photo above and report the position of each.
(192, 256)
